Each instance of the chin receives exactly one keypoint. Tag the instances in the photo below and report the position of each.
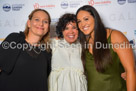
(85, 33)
(72, 41)
(42, 33)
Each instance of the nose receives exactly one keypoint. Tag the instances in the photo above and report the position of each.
(41, 23)
(71, 30)
(83, 23)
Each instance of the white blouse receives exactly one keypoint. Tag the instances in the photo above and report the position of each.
(67, 69)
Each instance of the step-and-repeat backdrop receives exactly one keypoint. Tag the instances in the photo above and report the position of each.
(116, 14)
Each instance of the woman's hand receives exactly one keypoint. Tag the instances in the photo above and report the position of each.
(123, 75)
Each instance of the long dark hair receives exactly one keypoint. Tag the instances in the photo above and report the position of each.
(102, 57)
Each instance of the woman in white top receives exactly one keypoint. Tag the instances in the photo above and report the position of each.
(67, 72)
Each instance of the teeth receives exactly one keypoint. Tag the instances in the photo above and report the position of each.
(85, 28)
(71, 36)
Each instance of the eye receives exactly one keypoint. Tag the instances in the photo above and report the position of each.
(86, 19)
(36, 19)
(45, 21)
(78, 21)
(66, 28)
(74, 27)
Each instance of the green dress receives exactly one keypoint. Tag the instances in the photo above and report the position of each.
(110, 80)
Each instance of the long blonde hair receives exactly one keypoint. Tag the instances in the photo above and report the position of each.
(45, 38)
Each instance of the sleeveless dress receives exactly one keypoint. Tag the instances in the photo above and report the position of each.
(110, 80)
(67, 72)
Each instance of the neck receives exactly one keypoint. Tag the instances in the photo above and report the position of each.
(92, 34)
(32, 39)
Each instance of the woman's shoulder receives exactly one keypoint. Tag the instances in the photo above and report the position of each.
(54, 39)
(118, 37)
(14, 36)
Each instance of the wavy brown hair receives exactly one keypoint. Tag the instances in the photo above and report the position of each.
(45, 38)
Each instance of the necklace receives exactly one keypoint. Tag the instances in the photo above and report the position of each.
(36, 51)
(34, 45)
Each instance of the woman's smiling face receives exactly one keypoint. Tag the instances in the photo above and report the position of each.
(70, 32)
(39, 24)
(85, 22)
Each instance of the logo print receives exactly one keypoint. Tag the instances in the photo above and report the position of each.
(135, 32)
(64, 4)
(121, 2)
(6, 7)
(132, 42)
(131, 1)
(36, 6)
(91, 2)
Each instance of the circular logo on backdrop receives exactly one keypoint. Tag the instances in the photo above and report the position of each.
(6, 7)
(64, 4)
(121, 2)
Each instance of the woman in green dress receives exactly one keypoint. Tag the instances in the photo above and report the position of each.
(106, 54)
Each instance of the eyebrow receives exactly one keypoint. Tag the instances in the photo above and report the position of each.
(85, 17)
(39, 17)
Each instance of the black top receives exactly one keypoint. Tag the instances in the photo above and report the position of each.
(23, 69)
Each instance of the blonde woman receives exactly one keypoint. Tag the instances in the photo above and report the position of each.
(27, 68)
